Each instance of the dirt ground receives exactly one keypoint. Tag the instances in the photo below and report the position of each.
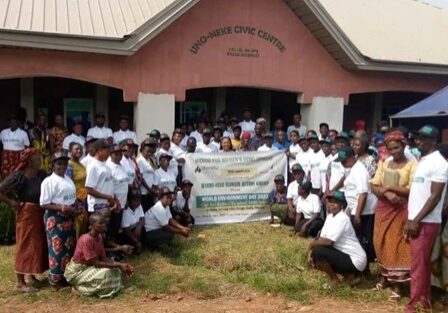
(182, 303)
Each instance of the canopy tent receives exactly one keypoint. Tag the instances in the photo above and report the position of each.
(434, 105)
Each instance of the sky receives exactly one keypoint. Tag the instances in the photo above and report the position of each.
(439, 3)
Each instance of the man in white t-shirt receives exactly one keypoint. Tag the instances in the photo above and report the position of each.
(100, 131)
(337, 250)
(160, 226)
(301, 129)
(163, 176)
(124, 132)
(316, 158)
(197, 134)
(14, 141)
(90, 151)
(293, 192)
(99, 181)
(148, 191)
(165, 148)
(128, 146)
(206, 146)
(247, 125)
(75, 136)
(293, 149)
(425, 207)
(268, 143)
(305, 156)
(361, 202)
(184, 204)
(120, 176)
(323, 167)
(133, 220)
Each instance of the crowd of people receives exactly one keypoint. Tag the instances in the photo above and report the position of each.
(84, 203)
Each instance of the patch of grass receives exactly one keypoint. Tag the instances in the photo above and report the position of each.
(233, 259)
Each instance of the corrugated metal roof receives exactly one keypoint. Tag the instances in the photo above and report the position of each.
(393, 30)
(87, 18)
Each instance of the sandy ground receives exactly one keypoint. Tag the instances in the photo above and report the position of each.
(187, 303)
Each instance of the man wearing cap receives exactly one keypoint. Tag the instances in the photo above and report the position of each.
(293, 192)
(278, 202)
(316, 158)
(75, 136)
(124, 132)
(14, 141)
(99, 181)
(89, 151)
(337, 172)
(206, 146)
(144, 160)
(268, 143)
(160, 226)
(294, 148)
(163, 176)
(425, 214)
(337, 250)
(297, 125)
(325, 163)
(100, 131)
(181, 210)
(247, 124)
(120, 177)
(165, 148)
(305, 156)
(197, 134)
(361, 202)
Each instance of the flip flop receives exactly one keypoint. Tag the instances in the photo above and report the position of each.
(27, 289)
(394, 297)
(379, 286)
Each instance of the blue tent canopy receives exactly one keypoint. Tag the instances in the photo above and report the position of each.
(434, 105)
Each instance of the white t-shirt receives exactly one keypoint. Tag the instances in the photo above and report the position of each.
(86, 160)
(73, 138)
(121, 181)
(295, 150)
(432, 168)
(99, 177)
(57, 190)
(129, 166)
(316, 159)
(147, 173)
(293, 191)
(165, 179)
(337, 172)
(99, 133)
(180, 202)
(175, 150)
(308, 206)
(131, 218)
(217, 144)
(203, 148)
(323, 167)
(265, 148)
(304, 159)
(248, 127)
(173, 167)
(183, 143)
(356, 183)
(122, 135)
(196, 135)
(339, 229)
(157, 217)
(14, 140)
(301, 130)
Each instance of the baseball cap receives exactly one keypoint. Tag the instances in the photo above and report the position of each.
(245, 135)
(164, 137)
(187, 182)
(313, 137)
(154, 133)
(337, 195)
(207, 131)
(165, 155)
(59, 156)
(127, 142)
(307, 185)
(164, 191)
(344, 154)
(297, 168)
(101, 144)
(326, 141)
(302, 138)
(280, 178)
(90, 139)
(149, 142)
(268, 135)
(343, 135)
(116, 148)
(429, 131)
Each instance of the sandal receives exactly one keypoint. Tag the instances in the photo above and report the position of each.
(27, 289)
(394, 297)
(379, 286)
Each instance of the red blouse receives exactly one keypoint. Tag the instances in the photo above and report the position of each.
(88, 248)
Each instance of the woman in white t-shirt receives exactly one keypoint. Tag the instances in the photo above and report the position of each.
(133, 221)
(337, 250)
(58, 198)
(163, 176)
(120, 177)
(308, 221)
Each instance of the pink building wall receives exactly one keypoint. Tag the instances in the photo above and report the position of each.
(170, 63)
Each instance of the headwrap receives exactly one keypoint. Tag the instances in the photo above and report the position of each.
(24, 158)
(395, 135)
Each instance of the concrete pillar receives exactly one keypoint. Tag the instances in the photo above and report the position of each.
(323, 109)
(265, 101)
(154, 112)
(102, 101)
(27, 97)
(220, 101)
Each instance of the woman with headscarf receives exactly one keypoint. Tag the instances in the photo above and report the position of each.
(391, 185)
(361, 148)
(77, 172)
(58, 198)
(21, 190)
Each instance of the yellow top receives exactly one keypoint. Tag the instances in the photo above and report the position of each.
(406, 173)
(78, 175)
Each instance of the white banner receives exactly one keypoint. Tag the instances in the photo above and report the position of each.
(232, 187)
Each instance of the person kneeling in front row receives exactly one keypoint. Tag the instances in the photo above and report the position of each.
(337, 250)
(90, 272)
(308, 221)
(160, 225)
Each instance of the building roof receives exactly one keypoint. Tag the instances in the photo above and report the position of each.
(391, 35)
